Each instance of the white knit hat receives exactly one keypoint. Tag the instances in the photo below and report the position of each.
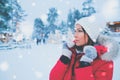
(93, 25)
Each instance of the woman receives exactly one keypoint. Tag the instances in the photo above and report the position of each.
(83, 59)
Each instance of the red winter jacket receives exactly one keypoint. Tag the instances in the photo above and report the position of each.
(99, 69)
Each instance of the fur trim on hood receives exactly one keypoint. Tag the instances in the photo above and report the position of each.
(111, 45)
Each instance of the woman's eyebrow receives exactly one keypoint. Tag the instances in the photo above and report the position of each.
(79, 28)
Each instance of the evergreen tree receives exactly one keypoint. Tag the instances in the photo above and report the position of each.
(18, 14)
(70, 19)
(5, 14)
(10, 13)
(38, 28)
(73, 16)
(52, 17)
(63, 27)
(88, 9)
(77, 14)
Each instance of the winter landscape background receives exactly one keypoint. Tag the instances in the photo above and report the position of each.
(28, 60)
(34, 63)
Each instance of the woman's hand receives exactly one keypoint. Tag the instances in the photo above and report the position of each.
(90, 54)
(65, 48)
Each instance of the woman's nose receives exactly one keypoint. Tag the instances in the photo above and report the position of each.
(75, 35)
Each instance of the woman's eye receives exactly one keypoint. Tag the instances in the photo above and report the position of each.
(80, 30)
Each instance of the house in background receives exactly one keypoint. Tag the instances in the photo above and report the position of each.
(114, 30)
(114, 26)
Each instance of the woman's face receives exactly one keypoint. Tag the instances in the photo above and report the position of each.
(81, 38)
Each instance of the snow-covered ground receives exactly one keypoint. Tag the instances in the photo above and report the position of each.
(34, 63)
(28, 64)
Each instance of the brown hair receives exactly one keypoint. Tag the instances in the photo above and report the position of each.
(90, 41)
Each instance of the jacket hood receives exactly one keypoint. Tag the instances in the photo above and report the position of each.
(111, 45)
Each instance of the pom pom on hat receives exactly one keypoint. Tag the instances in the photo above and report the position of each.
(93, 25)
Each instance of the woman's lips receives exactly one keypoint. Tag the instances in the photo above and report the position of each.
(76, 41)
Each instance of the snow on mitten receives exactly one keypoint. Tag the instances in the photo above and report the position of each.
(70, 41)
(65, 50)
(90, 54)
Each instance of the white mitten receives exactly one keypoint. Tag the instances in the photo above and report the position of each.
(90, 54)
(69, 43)
(65, 50)
(70, 40)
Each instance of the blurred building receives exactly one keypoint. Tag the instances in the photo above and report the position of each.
(114, 26)
(5, 37)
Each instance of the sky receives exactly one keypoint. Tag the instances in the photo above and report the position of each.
(109, 9)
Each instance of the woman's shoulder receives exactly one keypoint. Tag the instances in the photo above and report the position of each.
(107, 48)
(106, 53)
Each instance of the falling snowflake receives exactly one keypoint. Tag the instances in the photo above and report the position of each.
(59, 12)
(33, 4)
(7, 5)
(4, 66)
(14, 76)
(49, 66)
(13, 10)
(38, 74)
(20, 56)
(18, 1)
(69, 23)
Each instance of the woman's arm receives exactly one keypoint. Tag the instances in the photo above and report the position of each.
(58, 71)
(103, 70)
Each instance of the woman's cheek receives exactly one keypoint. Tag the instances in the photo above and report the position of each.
(77, 43)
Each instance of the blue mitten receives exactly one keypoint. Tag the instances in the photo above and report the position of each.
(65, 49)
(90, 54)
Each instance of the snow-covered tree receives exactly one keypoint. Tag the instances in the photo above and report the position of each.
(70, 19)
(5, 14)
(77, 14)
(18, 14)
(63, 27)
(88, 8)
(73, 16)
(52, 17)
(38, 28)
(10, 14)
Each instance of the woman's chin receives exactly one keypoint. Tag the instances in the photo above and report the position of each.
(77, 44)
